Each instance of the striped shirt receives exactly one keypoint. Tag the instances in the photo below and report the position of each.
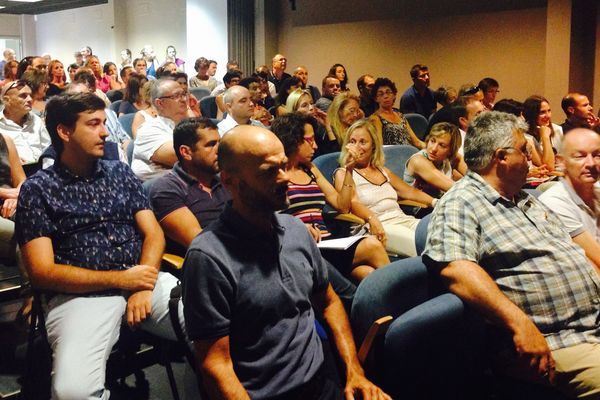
(307, 202)
(526, 250)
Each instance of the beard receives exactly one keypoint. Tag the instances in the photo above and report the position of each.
(260, 201)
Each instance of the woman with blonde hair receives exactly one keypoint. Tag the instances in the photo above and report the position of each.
(144, 114)
(102, 80)
(377, 191)
(343, 112)
(435, 168)
(57, 79)
(301, 101)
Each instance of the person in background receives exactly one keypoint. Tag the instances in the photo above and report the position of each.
(339, 71)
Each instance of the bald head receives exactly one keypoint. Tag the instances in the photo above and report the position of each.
(244, 143)
(279, 63)
(239, 104)
(252, 162)
(580, 154)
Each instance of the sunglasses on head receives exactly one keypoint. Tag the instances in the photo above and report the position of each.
(471, 91)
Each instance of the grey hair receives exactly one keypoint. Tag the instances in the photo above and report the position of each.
(159, 88)
(488, 132)
(229, 95)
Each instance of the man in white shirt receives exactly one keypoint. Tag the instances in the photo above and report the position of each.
(240, 109)
(576, 198)
(153, 153)
(26, 129)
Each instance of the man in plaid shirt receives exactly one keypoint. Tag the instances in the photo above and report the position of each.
(509, 257)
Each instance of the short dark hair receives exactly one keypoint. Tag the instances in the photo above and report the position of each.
(229, 75)
(74, 65)
(488, 83)
(23, 64)
(107, 65)
(124, 71)
(285, 86)
(569, 101)
(201, 62)
(249, 80)
(86, 76)
(510, 106)
(186, 132)
(179, 75)
(415, 69)
(381, 82)
(289, 128)
(360, 83)
(450, 113)
(64, 109)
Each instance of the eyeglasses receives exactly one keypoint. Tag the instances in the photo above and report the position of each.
(176, 96)
(524, 150)
(384, 92)
(310, 140)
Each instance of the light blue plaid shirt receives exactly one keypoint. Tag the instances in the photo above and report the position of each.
(526, 250)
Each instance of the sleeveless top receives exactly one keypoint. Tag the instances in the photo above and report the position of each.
(419, 183)
(5, 177)
(395, 133)
(381, 199)
(307, 202)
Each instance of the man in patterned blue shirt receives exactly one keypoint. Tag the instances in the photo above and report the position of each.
(509, 257)
(91, 243)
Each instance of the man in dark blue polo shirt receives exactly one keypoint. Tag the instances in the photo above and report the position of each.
(418, 98)
(253, 281)
(191, 196)
(91, 243)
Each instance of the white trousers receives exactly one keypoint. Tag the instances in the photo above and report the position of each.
(83, 330)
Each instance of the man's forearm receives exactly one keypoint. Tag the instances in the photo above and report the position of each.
(337, 320)
(473, 285)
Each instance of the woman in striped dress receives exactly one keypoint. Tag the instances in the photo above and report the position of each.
(309, 191)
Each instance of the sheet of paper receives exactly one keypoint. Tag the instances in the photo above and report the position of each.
(339, 244)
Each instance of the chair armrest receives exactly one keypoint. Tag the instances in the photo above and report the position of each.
(175, 262)
(411, 203)
(377, 329)
(350, 218)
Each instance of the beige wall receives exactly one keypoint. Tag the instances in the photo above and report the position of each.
(509, 46)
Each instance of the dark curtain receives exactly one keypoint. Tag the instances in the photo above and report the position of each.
(240, 29)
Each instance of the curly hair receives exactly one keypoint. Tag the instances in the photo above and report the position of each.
(289, 128)
(382, 82)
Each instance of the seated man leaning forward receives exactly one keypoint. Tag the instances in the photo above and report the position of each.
(153, 153)
(90, 242)
(191, 196)
(507, 255)
(251, 281)
(576, 198)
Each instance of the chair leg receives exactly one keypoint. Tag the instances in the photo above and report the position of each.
(167, 362)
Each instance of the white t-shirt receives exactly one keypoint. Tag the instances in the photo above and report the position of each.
(152, 134)
(31, 139)
(577, 217)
